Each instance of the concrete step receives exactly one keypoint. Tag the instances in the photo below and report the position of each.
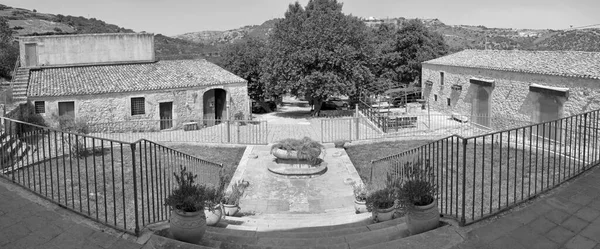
(354, 238)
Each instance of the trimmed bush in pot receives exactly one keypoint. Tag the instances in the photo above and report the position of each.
(360, 197)
(187, 202)
(417, 195)
(298, 149)
(382, 204)
(231, 201)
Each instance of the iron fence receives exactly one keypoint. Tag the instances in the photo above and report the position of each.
(415, 124)
(120, 184)
(480, 176)
(179, 130)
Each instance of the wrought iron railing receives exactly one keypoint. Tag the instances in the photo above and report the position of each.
(120, 184)
(480, 176)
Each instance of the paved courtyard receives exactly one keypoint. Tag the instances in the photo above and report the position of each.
(568, 217)
(27, 221)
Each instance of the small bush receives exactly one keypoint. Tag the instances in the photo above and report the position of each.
(306, 148)
(237, 191)
(188, 196)
(381, 199)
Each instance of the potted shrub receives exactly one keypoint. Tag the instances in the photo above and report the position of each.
(360, 197)
(382, 204)
(231, 201)
(187, 202)
(298, 149)
(213, 215)
(417, 195)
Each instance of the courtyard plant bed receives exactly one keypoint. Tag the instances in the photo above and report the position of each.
(187, 202)
(100, 185)
(361, 155)
(298, 157)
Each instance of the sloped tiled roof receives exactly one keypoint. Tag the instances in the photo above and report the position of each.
(97, 79)
(561, 63)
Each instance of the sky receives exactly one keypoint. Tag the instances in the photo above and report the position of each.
(172, 17)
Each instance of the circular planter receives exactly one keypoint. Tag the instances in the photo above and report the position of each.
(188, 226)
(423, 218)
(284, 154)
(380, 215)
(360, 206)
(230, 210)
(213, 217)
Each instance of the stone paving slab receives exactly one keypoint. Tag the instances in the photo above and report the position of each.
(27, 221)
(568, 217)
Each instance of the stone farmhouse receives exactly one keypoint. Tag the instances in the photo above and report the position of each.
(105, 78)
(499, 87)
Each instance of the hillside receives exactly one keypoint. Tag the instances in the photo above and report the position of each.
(25, 22)
(458, 37)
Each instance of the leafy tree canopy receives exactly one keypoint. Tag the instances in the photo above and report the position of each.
(9, 51)
(244, 58)
(400, 52)
(317, 51)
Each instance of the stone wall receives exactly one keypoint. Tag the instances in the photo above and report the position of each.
(511, 101)
(89, 48)
(112, 112)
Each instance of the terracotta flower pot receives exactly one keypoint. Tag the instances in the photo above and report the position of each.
(380, 215)
(423, 218)
(360, 206)
(231, 210)
(188, 226)
(213, 217)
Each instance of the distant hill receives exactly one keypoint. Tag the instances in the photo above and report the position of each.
(29, 22)
(458, 37)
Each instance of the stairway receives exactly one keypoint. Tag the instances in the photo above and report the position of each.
(20, 83)
(12, 150)
(359, 232)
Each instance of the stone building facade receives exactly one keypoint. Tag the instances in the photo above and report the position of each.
(136, 95)
(501, 89)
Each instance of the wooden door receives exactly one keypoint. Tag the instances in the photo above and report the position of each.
(209, 107)
(481, 107)
(31, 58)
(549, 109)
(166, 115)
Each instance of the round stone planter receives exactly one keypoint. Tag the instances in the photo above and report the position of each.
(423, 218)
(386, 214)
(188, 226)
(230, 210)
(213, 217)
(284, 154)
(360, 206)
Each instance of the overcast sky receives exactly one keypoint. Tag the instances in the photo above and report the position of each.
(171, 17)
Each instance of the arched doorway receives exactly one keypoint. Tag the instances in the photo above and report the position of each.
(481, 107)
(214, 101)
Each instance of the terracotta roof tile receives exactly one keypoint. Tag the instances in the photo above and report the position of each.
(96, 79)
(561, 63)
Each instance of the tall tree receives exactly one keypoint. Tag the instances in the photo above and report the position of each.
(244, 58)
(400, 52)
(317, 51)
(9, 51)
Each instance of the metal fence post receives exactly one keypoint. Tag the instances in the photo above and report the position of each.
(135, 198)
(228, 132)
(464, 184)
(322, 138)
(357, 125)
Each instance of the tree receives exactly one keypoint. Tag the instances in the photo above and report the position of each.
(317, 52)
(401, 52)
(9, 51)
(244, 58)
